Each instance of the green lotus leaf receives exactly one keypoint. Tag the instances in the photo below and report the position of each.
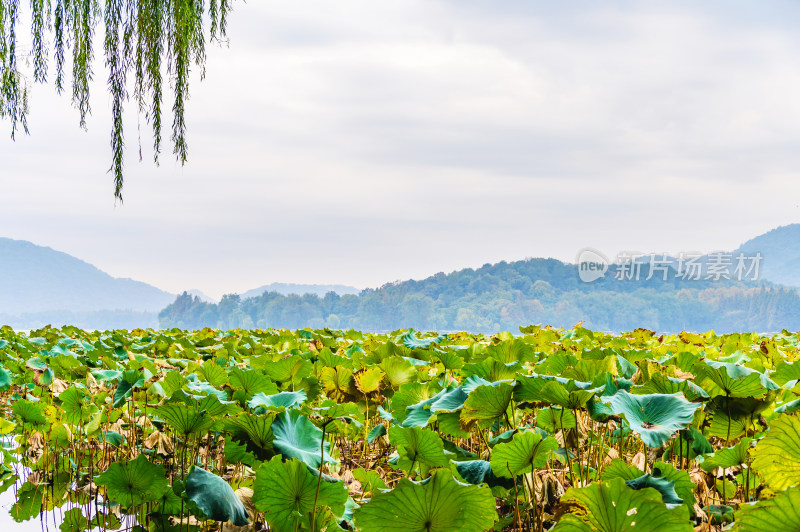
(6, 379)
(733, 380)
(77, 406)
(256, 430)
(529, 387)
(74, 521)
(133, 482)
(204, 389)
(693, 443)
(332, 410)
(214, 497)
(214, 373)
(625, 368)
(612, 384)
(684, 486)
(619, 469)
(418, 415)
(285, 492)
(730, 457)
(368, 380)
(417, 446)
(338, 383)
(290, 370)
(665, 487)
(412, 341)
(128, 381)
(663, 384)
(237, 453)
(558, 394)
(770, 515)
(251, 382)
(376, 432)
(30, 498)
(172, 501)
(398, 371)
(185, 420)
(612, 506)
(278, 400)
(408, 395)
(448, 424)
(524, 453)
(112, 438)
(553, 419)
(777, 455)
(480, 472)
(492, 370)
(511, 350)
(36, 364)
(29, 413)
(46, 378)
(297, 437)
(591, 370)
(213, 406)
(106, 375)
(370, 480)
(452, 401)
(487, 403)
(450, 360)
(786, 372)
(789, 408)
(438, 504)
(719, 514)
(655, 417)
(727, 428)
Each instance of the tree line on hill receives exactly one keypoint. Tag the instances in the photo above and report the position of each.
(504, 296)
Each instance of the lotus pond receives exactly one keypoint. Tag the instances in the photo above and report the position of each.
(548, 429)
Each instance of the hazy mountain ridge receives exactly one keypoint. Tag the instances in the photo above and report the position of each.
(505, 295)
(39, 284)
(780, 249)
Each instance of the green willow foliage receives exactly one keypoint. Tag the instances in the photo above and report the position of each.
(143, 38)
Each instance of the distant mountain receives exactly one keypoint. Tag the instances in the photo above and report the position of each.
(300, 289)
(36, 283)
(780, 249)
(505, 295)
(201, 296)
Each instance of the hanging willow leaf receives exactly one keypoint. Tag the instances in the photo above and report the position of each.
(142, 38)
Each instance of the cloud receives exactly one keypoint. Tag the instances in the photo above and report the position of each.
(361, 142)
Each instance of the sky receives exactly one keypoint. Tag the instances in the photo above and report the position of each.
(363, 142)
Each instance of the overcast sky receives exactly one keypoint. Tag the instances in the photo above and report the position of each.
(361, 142)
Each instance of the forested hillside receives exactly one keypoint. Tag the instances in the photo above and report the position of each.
(502, 296)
